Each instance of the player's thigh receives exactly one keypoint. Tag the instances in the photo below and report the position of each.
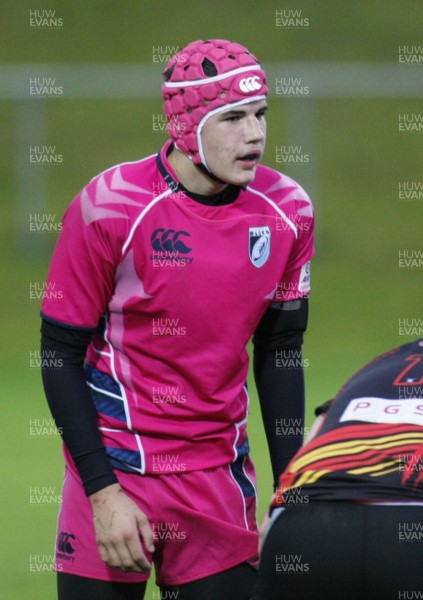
(308, 553)
(235, 584)
(342, 550)
(394, 558)
(73, 587)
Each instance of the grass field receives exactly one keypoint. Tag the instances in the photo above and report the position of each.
(359, 291)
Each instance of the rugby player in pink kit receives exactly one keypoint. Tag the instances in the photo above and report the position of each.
(167, 267)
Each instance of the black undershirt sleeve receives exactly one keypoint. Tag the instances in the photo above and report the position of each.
(279, 377)
(63, 353)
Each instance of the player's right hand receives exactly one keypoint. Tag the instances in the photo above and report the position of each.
(119, 527)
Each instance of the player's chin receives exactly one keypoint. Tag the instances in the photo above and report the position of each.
(242, 177)
(248, 176)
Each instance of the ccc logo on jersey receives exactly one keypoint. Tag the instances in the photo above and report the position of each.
(170, 240)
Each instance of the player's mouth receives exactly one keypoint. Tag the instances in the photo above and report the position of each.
(250, 160)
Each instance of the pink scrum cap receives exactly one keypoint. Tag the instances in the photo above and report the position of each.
(201, 80)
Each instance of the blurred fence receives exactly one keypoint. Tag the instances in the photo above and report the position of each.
(299, 84)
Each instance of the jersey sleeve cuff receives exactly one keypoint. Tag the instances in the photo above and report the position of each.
(95, 471)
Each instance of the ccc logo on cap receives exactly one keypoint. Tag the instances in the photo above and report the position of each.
(250, 84)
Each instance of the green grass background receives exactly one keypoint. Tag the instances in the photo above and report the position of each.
(359, 293)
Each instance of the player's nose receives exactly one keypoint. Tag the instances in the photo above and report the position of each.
(254, 129)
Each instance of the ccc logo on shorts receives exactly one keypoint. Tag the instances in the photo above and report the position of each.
(64, 544)
(170, 240)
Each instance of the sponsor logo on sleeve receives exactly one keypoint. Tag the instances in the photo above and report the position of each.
(304, 283)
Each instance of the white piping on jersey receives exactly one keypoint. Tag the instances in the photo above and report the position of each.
(141, 216)
(124, 398)
(105, 392)
(243, 462)
(182, 84)
(102, 352)
(241, 423)
(115, 377)
(141, 470)
(244, 505)
(111, 354)
(254, 487)
(276, 207)
(238, 426)
(112, 430)
(141, 449)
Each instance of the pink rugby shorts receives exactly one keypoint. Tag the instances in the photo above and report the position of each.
(203, 523)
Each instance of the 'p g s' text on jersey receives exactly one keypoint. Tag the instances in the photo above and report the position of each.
(370, 446)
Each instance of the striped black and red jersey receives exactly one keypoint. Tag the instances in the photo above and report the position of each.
(370, 446)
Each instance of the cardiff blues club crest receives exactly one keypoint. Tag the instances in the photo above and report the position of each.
(259, 245)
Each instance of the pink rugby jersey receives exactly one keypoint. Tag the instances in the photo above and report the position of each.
(173, 290)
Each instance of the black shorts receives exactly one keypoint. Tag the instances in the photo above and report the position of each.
(343, 551)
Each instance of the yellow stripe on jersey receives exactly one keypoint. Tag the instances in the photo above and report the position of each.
(380, 467)
(312, 476)
(309, 477)
(384, 472)
(354, 447)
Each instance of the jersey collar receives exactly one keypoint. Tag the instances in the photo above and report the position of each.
(165, 167)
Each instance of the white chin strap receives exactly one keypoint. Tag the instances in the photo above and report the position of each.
(203, 168)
